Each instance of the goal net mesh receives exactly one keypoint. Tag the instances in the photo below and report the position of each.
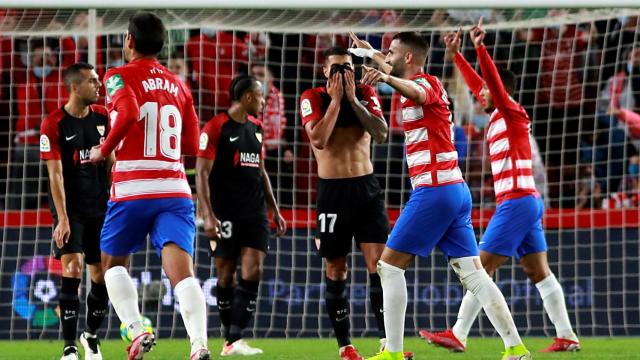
(578, 77)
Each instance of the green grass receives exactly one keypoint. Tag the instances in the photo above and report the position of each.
(321, 349)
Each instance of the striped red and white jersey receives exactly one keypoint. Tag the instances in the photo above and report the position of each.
(431, 156)
(508, 131)
(510, 153)
(153, 124)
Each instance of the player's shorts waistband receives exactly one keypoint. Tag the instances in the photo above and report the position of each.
(356, 179)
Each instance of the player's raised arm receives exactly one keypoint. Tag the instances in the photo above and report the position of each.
(489, 71)
(318, 128)
(362, 48)
(370, 116)
(453, 41)
(407, 88)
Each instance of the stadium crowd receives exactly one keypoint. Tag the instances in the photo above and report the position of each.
(580, 84)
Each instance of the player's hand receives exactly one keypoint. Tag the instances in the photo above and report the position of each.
(335, 88)
(452, 41)
(371, 76)
(61, 233)
(358, 43)
(281, 224)
(95, 155)
(350, 86)
(477, 34)
(212, 226)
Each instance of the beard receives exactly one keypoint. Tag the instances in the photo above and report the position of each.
(89, 101)
(396, 70)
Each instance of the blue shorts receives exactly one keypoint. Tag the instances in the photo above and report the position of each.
(436, 216)
(166, 220)
(516, 228)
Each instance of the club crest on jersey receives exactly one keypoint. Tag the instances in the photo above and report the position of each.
(114, 83)
(204, 141)
(305, 107)
(423, 82)
(259, 137)
(45, 145)
(100, 129)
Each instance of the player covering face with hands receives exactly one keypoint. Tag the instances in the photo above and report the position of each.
(341, 119)
(515, 230)
(234, 192)
(438, 213)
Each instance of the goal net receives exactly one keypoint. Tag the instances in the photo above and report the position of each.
(578, 77)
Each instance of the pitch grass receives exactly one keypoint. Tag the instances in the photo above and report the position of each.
(321, 349)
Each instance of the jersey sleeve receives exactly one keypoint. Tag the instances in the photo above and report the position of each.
(49, 140)
(432, 95)
(471, 77)
(501, 98)
(372, 100)
(190, 128)
(121, 96)
(209, 138)
(310, 108)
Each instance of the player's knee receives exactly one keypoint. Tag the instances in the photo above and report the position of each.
(73, 267)
(536, 273)
(252, 272)
(337, 272)
(469, 270)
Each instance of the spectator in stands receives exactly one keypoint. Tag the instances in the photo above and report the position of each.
(560, 99)
(621, 97)
(279, 154)
(588, 191)
(42, 93)
(629, 194)
(215, 57)
(75, 48)
(177, 65)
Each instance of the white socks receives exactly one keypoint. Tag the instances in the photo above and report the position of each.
(124, 297)
(478, 282)
(467, 314)
(394, 292)
(194, 311)
(553, 301)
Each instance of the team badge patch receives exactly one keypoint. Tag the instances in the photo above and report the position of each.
(45, 145)
(204, 141)
(259, 137)
(306, 107)
(114, 83)
(100, 129)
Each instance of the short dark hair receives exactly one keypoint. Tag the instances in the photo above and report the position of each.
(148, 31)
(335, 51)
(73, 74)
(240, 84)
(415, 41)
(508, 80)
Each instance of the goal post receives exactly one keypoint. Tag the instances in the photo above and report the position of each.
(569, 65)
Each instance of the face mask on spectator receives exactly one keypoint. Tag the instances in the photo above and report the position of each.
(479, 120)
(208, 32)
(265, 89)
(42, 71)
(384, 88)
(633, 169)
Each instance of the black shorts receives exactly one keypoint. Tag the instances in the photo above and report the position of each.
(240, 233)
(350, 208)
(84, 239)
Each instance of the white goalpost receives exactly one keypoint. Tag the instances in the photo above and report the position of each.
(571, 64)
